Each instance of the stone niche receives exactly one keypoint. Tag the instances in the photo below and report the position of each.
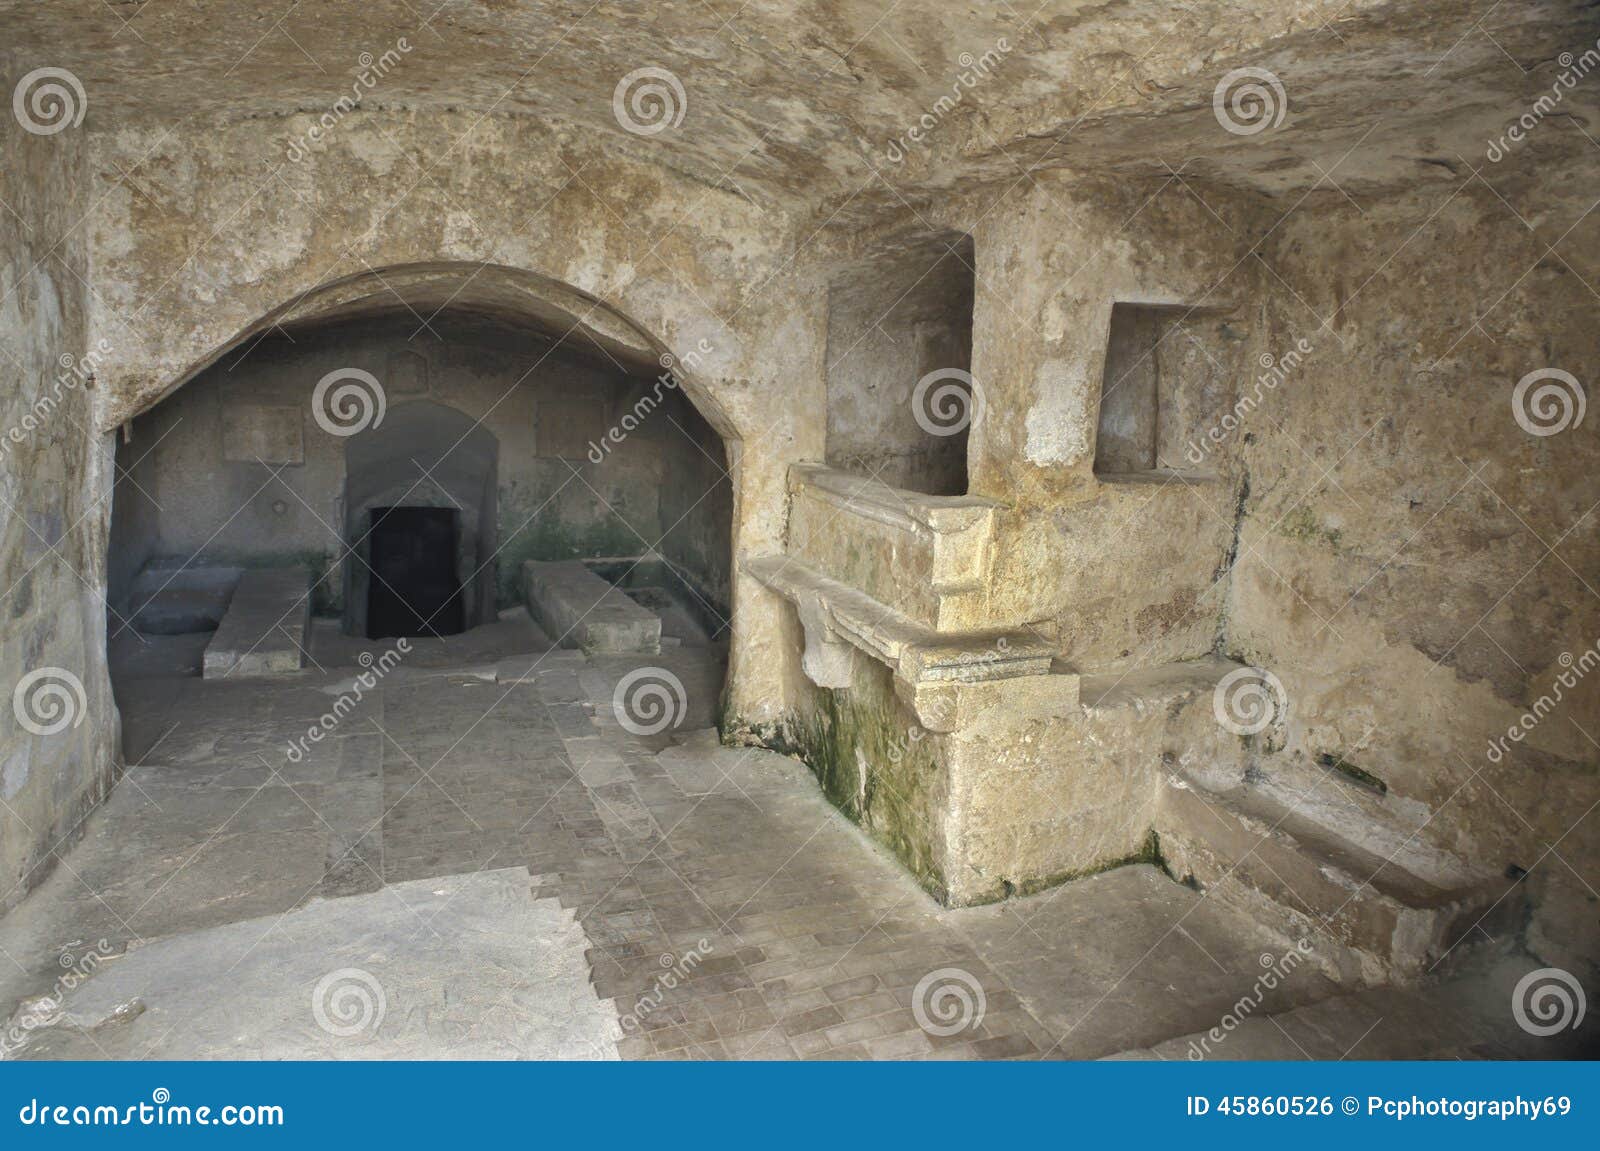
(899, 364)
(1166, 376)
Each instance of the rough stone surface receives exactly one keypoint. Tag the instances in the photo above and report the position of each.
(225, 880)
(1234, 310)
(54, 479)
(461, 967)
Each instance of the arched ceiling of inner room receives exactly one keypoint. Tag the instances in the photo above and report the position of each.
(796, 101)
(480, 301)
(491, 300)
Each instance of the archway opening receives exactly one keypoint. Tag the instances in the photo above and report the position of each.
(405, 463)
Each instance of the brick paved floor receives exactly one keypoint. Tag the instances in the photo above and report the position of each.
(731, 911)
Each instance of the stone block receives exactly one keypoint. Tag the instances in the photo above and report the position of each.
(578, 609)
(265, 629)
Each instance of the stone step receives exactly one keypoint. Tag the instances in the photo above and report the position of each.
(1367, 916)
(1470, 1014)
(264, 630)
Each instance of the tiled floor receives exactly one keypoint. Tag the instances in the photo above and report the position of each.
(730, 911)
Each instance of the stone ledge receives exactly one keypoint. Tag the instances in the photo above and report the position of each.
(930, 555)
(839, 621)
(1150, 689)
(1368, 917)
(897, 507)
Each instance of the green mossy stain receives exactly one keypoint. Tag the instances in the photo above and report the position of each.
(1302, 526)
(1357, 775)
(1148, 851)
(898, 772)
(327, 594)
(552, 539)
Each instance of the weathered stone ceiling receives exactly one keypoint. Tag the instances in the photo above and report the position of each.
(813, 101)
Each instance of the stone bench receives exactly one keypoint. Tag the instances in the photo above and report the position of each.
(579, 609)
(265, 628)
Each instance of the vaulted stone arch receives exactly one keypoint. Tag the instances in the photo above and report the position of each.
(713, 363)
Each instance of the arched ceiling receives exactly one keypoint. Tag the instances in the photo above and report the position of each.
(497, 299)
(493, 301)
(813, 101)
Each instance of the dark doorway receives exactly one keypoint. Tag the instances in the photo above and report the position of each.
(415, 589)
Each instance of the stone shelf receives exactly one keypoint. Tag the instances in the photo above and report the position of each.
(840, 620)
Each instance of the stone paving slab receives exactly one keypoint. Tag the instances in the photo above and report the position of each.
(376, 976)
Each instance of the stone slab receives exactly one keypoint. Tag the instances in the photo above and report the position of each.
(265, 628)
(833, 613)
(460, 967)
(256, 434)
(580, 610)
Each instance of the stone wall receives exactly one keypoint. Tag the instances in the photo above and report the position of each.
(1346, 498)
(1416, 567)
(696, 506)
(58, 726)
(1124, 570)
(895, 318)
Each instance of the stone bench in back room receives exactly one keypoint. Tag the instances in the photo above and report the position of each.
(579, 609)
